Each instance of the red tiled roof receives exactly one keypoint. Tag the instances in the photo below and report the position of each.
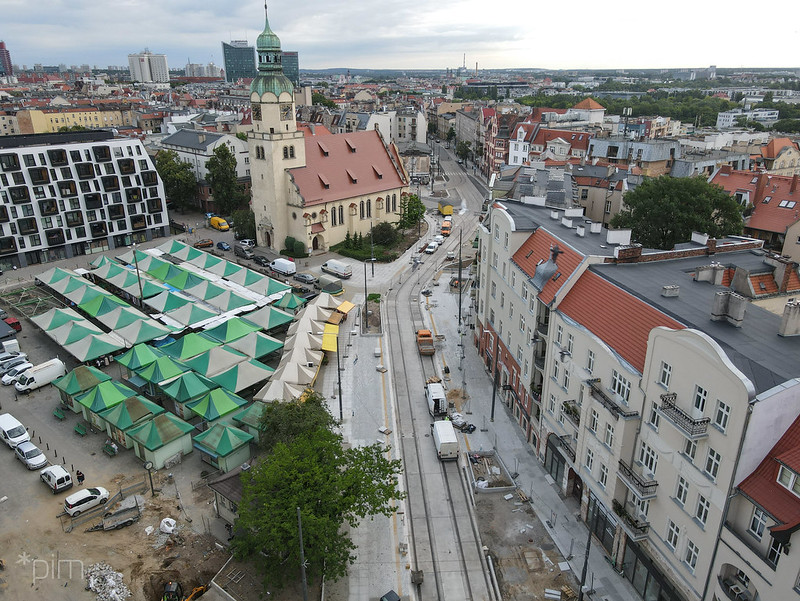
(589, 104)
(536, 250)
(727, 276)
(775, 146)
(768, 280)
(762, 485)
(318, 130)
(349, 164)
(794, 281)
(625, 321)
(576, 139)
(782, 210)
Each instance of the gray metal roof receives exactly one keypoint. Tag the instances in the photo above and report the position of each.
(755, 348)
(192, 138)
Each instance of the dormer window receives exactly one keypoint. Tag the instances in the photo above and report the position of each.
(788, 479)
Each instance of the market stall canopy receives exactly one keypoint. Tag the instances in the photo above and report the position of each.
(69, 284)
(188, 386)
(243, 375)
(256, 345)
(269, 317)
(81, 379)
(139, 356)
(217, 403)
(167, 301)
(228, 301)
(191, 314)
(143, 330)
(185, 279)
(187, 253)
(100, 261)
(295, 373)
(290, 301)
(215, 360)
(161, 370)
(303, 356)
(246, 277)
(55, 274)
(221, 440)
(160, 431)
(148, 262)
(121, 316)
(189, 346)
(55, 318)
(170, 247)
(109, 270)
(205, 290)
(251, 415)
(345, 307)
(165, 271)
(205, 261)
(232, 329)
(149, 288)
(85, 294)
(131, 412)
(326, 301)
(73, 331)
(128, 257)
(92, 347)
(276, 390)
(315, 313)
(304, 339)
(330, 338)
(104, 396)
(100, 305)
(224, 268)
(305, 324)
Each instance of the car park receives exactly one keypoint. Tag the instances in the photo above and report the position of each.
(84, 500)
(223, 246)
(57, 478)
(204, 243)
(12, 363)
(30, 455)
(305, 277)
(12, 374)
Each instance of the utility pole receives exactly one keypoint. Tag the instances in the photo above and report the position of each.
(460, 284)
(586, 556)
(371, 250)
(138, 276)
(365, 295)
(339, 375)
(496, 375)
(302, 556)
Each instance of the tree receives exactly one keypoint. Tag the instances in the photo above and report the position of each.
(228, 193)
(317, 98)
(665, 211)
(245, 223)
(307, 456)
(180, 184)
(242, 136)
(411, 211)
(384, 234)
(463, 150)
(451, 134)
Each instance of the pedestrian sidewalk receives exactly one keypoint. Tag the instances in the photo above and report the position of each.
(559, 516)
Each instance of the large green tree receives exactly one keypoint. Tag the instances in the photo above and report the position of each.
(228, 193)
(245, 223)
(317, 98)
(334, 487)
(180, 184)
(463, 150)
(411, 211)
(666, 210)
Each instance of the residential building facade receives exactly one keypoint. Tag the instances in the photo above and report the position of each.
(731, 118)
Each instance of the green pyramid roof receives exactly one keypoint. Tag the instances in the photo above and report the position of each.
(121, 316)
(81, 379)
(276, 286)
(256, 344)
(139, 356)
(184, 280)
(167, 301)
(290, 301)
(243, 375)
(74, 332)
(188, 386)
(100, 305)
(162, 369)
(143, 330)
(105, 395)
(189, 346)
(187, 253)
(165, 271)
(232, 329)
(55, 318)
(205, 260)
(172, 246)
(130, 412)
(217, 403)
(191, 314)
(251, 415)
(100, 261)
(215, 360)
(159, 431)
(85, 294)
(205, 290)
(225, 268)
(70, 284)
(222, 440)
(54, 275)
(92, 347)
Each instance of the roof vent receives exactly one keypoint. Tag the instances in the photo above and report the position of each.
(790, 323)
(581, 230)
(596, 228)
(670, 291)
(554, 215)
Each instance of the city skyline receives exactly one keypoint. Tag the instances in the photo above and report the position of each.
(400, 36)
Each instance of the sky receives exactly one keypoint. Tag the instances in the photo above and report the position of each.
(395, 34)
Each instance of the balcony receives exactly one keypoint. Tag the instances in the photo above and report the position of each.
(542, 326)
(565, 442)
(572, 412)
(600, 394)
(539, 362)
(640, 486)
(636, 529)
(693, 429)
(734, 589)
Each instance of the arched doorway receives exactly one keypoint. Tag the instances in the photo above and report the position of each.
(268, 239)
(317, 243)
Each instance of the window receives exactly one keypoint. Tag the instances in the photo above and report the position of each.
(789, 479)
(566, 379)
(570, 342)
(620, 385)
(655, 418)
(513, 278)
(521, 323)
(774, 553)
(666, 374)
(593, 417)
(692, 551)
(700, 395)
(524, 292)
(502, 299)
(555, 371)
(673, 532)
(608, 206)
(505, 241)
(559, 335)
(757, 523)
(682, 490)
(494, 290)
(712, 462)
(609, 437)
(589, 459)
(551, 404)
(590, 361)
(703, 505)
(721, 415)
(603, 475)
(648, 457)
(642, 507)
(690, 449)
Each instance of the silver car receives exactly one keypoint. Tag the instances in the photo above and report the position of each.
(30, 455)
(12, 363)
(12, 374)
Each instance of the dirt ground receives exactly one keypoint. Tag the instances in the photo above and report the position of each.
(525, 557)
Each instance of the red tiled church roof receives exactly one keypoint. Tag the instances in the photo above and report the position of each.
(625, 321)
(589, 104)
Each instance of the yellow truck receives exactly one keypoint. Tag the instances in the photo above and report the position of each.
(425, 342)
(218, 223)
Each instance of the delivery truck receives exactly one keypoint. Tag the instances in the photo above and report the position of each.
(444, 437)
(40, 375)
(425, 342)
(437, 400)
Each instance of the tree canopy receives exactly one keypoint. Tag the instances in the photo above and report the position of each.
(411, 211)
(463, 150)
(317, 98)
(180, 184)
(309, 468)
(245, 223)
(228, 193)
(666, 210)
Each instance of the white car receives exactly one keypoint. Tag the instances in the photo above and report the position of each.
(13, 373)
(85, 499)
(30, 455)
(439, 239)
(431, 248)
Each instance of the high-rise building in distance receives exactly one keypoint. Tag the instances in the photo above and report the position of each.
(5, 61)
(239, 60)
(148, 67)
(291, 67)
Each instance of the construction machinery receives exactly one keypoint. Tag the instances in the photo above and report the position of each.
(425, 342)
(173, 591)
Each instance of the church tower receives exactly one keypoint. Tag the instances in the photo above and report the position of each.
(275, 145)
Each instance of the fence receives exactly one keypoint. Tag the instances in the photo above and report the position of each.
(68, 522)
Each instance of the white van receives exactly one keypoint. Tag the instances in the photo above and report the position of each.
(40, 375)
(56, 478)
(283, 267)
(444, 437)
(12, 431)
(337, 268)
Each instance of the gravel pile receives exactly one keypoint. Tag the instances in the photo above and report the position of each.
(106, 582)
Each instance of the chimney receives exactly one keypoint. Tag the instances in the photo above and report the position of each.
(726, 170)
(790, 322)
(729, 306)
(761, 186)
(794, 184)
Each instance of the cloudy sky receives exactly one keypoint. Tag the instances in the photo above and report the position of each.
(396, 34)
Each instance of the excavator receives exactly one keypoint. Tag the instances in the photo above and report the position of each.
(173, 591)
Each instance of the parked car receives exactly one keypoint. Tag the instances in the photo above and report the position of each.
(261, 260)
(3, 313)
(12, 374)
(12, 363)
(248, 242)
(85, 499)
(30, 455)
(204, 243)
(223, 246)
(305, 277)
(431, 248)
(56, 478)
(7, 355)
(439, 239)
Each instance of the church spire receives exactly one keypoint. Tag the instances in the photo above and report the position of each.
(270, 77)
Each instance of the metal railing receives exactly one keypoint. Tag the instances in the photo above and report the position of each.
(572, 411)
(694, 428)
(564, 443)
(644, 488)
(597, 392)
(538, 361)
(542, 327)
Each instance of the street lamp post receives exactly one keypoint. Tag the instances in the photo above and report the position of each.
(138, 275)
(371, 250)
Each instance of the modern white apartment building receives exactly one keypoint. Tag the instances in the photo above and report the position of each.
(77, 193)
(147, 67)
(729, 118)
(644, 381)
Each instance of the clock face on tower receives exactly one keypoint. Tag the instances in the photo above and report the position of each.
(256, 112)
(286, 112)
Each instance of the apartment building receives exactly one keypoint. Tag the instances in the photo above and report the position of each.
(50, 120)
(731, 118)
(69, 194)
(653, 157)
(641, 380)
(147, 67)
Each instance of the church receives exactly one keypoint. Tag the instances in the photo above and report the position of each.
(313, 187)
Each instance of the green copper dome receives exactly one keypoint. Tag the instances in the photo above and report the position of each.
(270, 76)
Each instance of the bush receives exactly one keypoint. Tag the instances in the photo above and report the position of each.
(298, 247)
(384, 234)
(289, 242)
(373, 298)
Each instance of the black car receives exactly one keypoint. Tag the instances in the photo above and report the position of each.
(260, 260)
